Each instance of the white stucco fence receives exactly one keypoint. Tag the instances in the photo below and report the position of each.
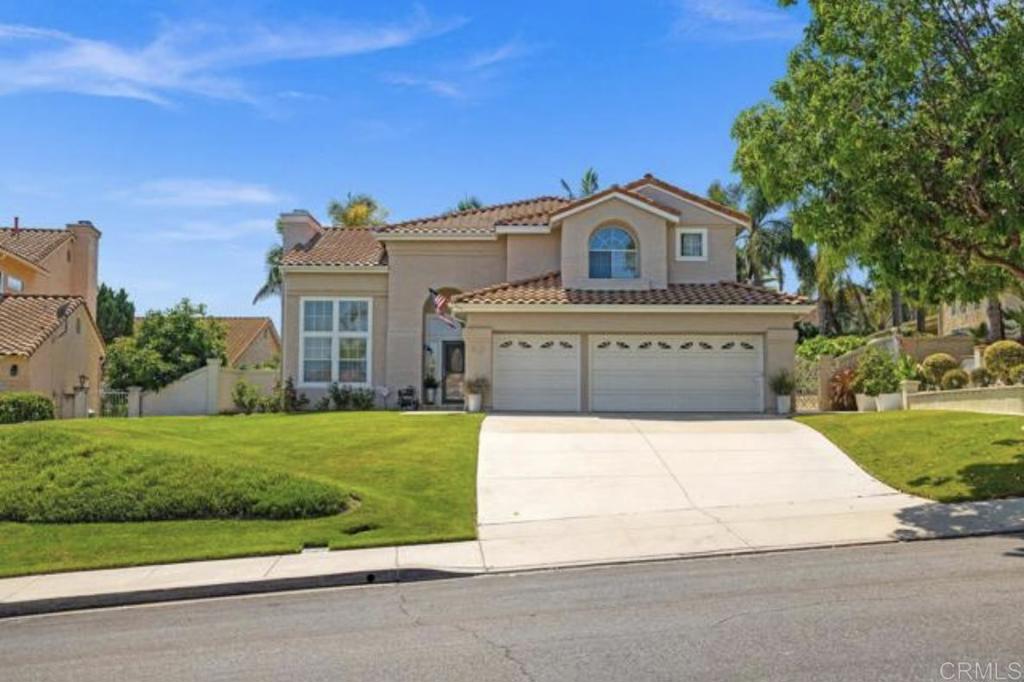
(206, 390)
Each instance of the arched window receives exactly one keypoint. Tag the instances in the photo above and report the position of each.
(612, 254)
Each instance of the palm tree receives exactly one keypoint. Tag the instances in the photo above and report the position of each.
(358, 210)
(272, 287)
(468, 203)
(588, 185)
(769, 242)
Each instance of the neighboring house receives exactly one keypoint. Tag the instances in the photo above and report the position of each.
(959, 318)
(49, 344)
(48, 337)
(251, 341)
(622, 301)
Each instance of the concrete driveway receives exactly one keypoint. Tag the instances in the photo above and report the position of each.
(618, 487)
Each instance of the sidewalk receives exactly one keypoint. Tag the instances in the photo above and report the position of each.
(538, 545)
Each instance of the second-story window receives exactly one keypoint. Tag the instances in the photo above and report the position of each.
(10, 285)
(613, 254)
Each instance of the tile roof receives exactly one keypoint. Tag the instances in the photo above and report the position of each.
(339, 246)
(615, 189)
(26, 320)
(480, 220)
(32, 243)
(649, 179)
(548, 290)
(242, 331)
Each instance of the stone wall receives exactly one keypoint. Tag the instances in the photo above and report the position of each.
(992, 400)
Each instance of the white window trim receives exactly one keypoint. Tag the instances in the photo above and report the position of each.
(334, 334)
(703, 232)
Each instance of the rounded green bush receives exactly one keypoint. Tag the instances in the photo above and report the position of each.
(954, 379)
(935, 366)
(877, 373)
(1017, 375)
(1002, 356)
(65, 477)
(18, 407)
(980, 377)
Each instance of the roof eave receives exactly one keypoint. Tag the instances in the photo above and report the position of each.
(321, 267)
(435, 236)
(795, 309)
(4, 253)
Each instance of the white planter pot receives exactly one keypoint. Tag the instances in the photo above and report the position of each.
(889, 402)
(783, 404)
(430, 396)
(865, 403)
(473, 401)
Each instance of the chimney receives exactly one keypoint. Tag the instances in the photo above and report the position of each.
(298, 227)
(85, 252)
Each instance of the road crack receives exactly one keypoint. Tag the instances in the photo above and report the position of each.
(506, 651)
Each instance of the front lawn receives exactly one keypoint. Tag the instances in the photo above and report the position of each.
(261, 484)
(944, 456)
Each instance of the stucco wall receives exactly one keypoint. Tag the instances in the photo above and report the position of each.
(777, 330)
(415, 267)
(333, 285)
(960, 317)
(54, 370)
(530, 255)
(994, 400)
(648, 230)
(721, 263)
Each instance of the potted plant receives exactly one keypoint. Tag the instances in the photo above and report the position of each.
(909, 374)
(430, 389)
(878, 379)
(783, 384)
(475, 389)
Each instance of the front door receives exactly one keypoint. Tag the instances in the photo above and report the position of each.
(453, 370)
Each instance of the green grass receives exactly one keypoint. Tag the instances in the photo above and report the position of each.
(413, 479)
(944, 456)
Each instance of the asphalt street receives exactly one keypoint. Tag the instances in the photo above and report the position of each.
(940, 610)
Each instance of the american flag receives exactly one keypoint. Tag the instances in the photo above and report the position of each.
(442, 309)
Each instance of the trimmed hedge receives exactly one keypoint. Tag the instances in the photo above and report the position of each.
(62, 477)
(18, 407)
(1002, 356)
(935, 366)
(954, 379)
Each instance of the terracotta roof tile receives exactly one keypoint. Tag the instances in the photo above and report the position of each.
(480, 220)
(649, 179)
(548, 290)
(339, 246)
(26, 320)
(242, 331)
(32, 244)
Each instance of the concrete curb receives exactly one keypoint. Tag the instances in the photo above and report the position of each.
(230, 589)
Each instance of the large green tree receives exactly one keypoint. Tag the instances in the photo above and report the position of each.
(115, 313)
(897, 134)
(167, 345)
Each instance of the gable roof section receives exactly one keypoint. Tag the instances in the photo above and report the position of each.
(480, 221)
(339, 246)
(616, 192)
(242, 331)
(704, 202)
(547, 290)
(31, 244)
(27, 320)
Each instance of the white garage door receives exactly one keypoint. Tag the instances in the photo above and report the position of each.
(536, 372)
(648, 373)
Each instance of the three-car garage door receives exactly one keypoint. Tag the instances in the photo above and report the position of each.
(536, 372)
(676, 373)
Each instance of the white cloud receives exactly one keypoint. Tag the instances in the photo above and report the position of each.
(737, 20)
(437, 86)
(513, 49)
(217, 231)
(193, 58)
(198, 193)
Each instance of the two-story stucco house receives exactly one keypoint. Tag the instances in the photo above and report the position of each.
(49, 343)
(622, 301)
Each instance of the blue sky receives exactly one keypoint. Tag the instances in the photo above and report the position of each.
(181, 129)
